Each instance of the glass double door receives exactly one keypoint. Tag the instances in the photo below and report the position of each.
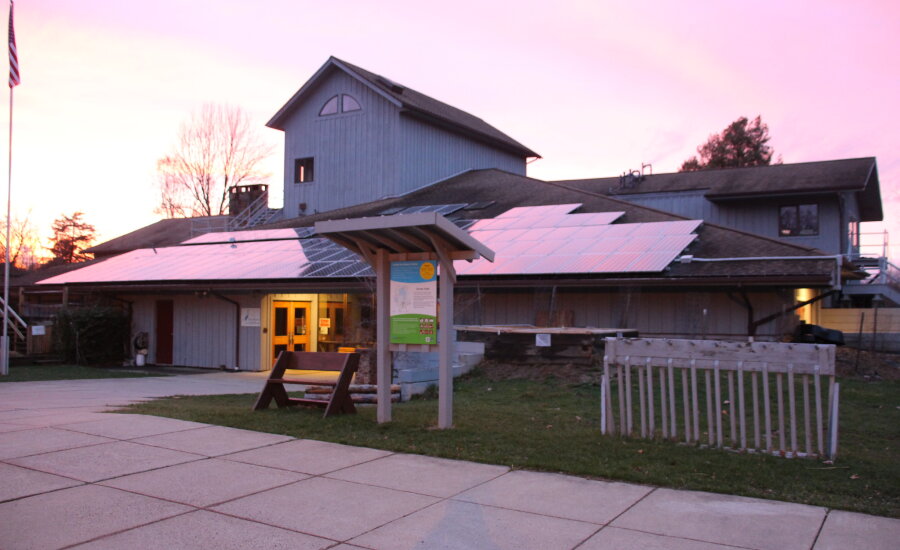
(290, 327)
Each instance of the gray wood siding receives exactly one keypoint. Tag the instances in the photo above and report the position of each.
(428, 154)
(753, 216)
(366, 155)
(652, 312)
(204, 330)
(353, 152)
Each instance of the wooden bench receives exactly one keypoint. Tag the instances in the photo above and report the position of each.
(340, 402)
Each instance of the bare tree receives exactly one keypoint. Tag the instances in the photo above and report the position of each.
(216, 149)
(25, 242)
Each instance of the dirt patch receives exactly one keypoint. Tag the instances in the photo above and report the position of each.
(571, 373)
(867, 365)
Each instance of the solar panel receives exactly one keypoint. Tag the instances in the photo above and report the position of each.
(527, 240)
(243, 236)
(479, 205)
(550, 240)
(443, 209)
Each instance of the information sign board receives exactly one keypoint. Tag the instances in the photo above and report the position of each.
(414, 302)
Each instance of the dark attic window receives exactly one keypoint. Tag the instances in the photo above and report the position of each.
(330, 107)
(303, 170)
(348, 103)
(798, 220)
(343, 103)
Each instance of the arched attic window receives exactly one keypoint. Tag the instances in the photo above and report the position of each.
(342, 103)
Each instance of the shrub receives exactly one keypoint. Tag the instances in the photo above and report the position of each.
(92, 335)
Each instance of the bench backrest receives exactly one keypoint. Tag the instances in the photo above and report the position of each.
(305, 360)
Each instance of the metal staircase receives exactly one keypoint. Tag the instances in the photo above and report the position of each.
(256, 213)
(17, 331)
(884, 276)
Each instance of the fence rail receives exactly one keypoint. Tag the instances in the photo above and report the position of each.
(754, 396)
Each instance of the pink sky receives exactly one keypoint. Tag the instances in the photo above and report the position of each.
(595, 87)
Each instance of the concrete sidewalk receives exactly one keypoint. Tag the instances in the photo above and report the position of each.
(72, 477)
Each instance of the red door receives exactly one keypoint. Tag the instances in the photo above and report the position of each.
(165, 328)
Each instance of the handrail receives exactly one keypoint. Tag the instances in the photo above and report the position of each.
(13, 314)
(248, 214)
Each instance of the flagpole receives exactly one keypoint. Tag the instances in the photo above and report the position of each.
(4, 341)
(14, 81)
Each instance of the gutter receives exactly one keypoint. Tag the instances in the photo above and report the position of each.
(835, 276)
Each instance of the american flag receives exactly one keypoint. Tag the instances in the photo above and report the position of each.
(14, 79)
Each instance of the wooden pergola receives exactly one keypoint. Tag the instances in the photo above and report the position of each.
(420, 236)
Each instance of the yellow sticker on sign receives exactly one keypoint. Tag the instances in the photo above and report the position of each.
(427, 271)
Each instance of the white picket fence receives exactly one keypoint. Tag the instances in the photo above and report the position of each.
(747, 389)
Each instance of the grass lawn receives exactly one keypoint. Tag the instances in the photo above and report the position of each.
(554, 426)
(36, 373)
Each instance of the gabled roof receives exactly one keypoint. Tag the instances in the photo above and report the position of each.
(162, 233)
(781, 180)
(504, 191)
(411, 103)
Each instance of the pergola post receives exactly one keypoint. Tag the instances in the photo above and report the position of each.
(383, 323)
(417, 236)
(445, 346)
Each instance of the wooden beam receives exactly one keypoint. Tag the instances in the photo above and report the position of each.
(445, 348)
(383, 322)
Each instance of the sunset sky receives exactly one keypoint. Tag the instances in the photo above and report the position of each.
(595, 87)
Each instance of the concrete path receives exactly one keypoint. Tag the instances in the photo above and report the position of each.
(73, 477)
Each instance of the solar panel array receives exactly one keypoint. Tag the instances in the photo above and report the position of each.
(546, 240)
(443, 209)
(531, 240)
(243, 255)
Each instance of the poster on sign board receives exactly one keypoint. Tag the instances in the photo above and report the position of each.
(414, 302)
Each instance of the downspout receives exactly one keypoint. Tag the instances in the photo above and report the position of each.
(237, 328)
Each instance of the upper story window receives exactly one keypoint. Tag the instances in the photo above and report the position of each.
(798, 220)
(303, 170)
(341, 103)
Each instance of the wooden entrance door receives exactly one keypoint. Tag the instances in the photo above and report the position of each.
(290, 327)
(165, 331)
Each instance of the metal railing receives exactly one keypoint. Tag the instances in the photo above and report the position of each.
(256, 213)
